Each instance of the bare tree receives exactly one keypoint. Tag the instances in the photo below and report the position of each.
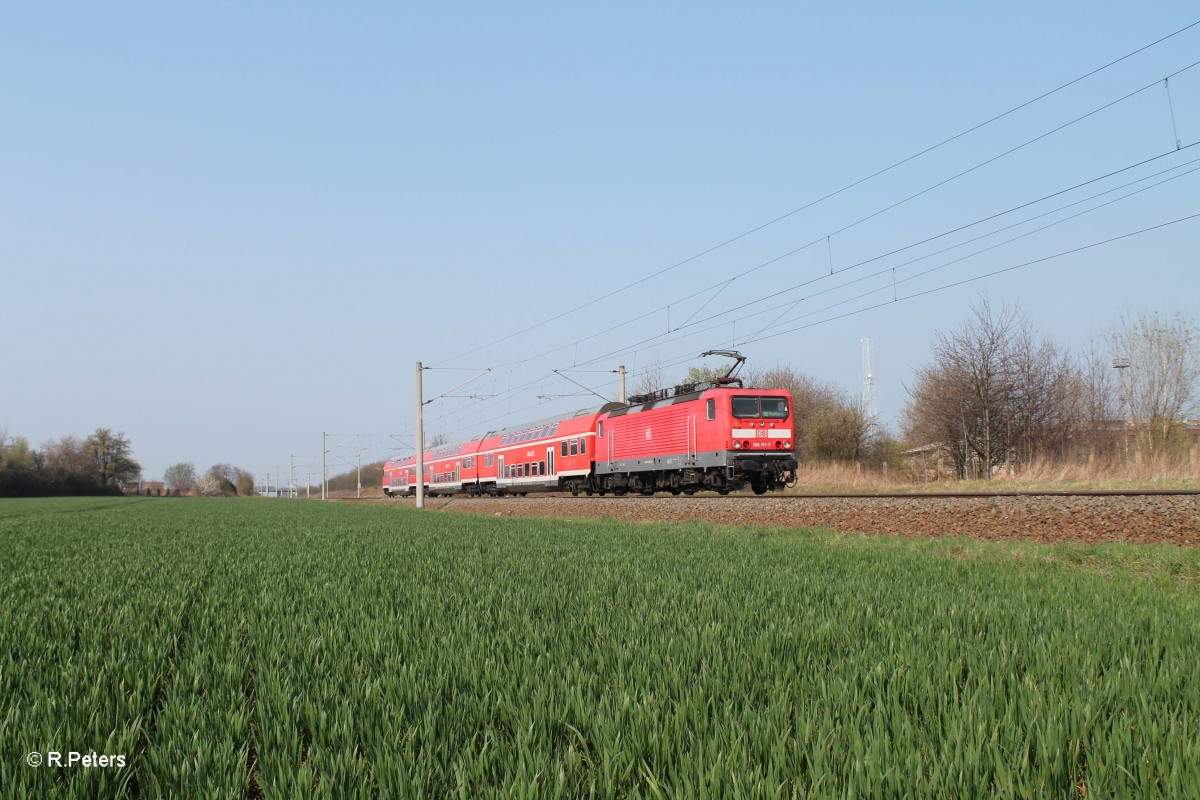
(437, 440)
(837, 432)
(959, 398)
(830, 424)
(224, 476)
(180, 477)
(111, 457)
(1160, 383)
(67, 455)
(244, 482)
(995, 392)
(1098, 396)
(1044, 404)
(650, 378)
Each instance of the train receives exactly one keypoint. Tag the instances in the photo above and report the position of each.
(688, 438)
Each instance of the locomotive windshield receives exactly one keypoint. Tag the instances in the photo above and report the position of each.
(760, 407)
(774, 408)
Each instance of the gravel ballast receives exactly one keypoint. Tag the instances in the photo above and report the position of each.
(1142, 518)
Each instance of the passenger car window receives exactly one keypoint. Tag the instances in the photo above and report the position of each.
(583, 445)
(574, 447)
(564, 448)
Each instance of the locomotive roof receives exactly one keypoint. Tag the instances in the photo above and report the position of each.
(681, 398)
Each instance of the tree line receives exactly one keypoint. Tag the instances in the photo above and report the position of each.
(998, 396)
(100, 464)
(219, 480)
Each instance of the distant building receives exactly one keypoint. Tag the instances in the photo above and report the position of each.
(147, 488)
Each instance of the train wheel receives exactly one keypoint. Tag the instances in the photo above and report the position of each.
(760, 487)
(722, 491)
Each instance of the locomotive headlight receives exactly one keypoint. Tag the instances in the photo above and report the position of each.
(737, 445)
(788, 444)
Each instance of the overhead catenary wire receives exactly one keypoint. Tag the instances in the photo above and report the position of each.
(993, 273)
(833, 193)
(662, 338)
(957, 229)
(741, 343)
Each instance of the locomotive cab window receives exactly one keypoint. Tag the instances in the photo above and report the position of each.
(602, 428)
(774, 408)
(760, 407)
(746, 408)
(712, 408)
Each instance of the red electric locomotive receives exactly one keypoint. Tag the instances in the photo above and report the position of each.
(685, 441)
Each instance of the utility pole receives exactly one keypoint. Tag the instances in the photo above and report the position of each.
(278, 480)
(360, 474)
(868, 395)
(267, 486)
(621, 384)
(420, 441)
(323, 470)
(308, 488)
(292, 476)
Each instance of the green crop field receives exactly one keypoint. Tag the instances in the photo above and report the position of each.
(278, 649)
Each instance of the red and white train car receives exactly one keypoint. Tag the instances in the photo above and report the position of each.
(719, 439)
(545, 456)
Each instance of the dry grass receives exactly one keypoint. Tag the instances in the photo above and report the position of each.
(1098, 475)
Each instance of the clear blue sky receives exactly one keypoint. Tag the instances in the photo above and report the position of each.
(225, 228)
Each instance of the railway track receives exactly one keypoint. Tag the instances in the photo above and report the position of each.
(1141, 516)
(968, 495)
(829, 496)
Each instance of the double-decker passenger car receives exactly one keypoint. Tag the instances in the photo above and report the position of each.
(544, 456)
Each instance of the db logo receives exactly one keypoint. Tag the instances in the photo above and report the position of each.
(761, 434)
